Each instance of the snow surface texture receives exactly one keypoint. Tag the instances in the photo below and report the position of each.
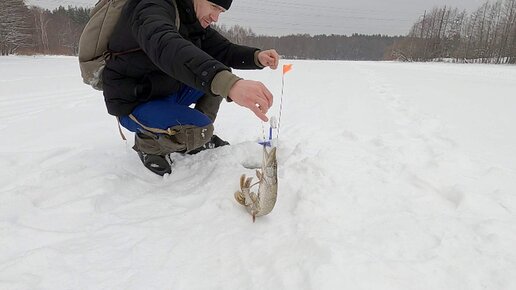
(391, 176)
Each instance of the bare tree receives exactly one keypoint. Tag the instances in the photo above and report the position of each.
(512, 50)
(509, 23)
(486, 35)
(490, 26)
(41, 20)
(14, 28)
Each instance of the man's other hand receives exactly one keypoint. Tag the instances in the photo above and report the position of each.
(252, 95)
(269, 58)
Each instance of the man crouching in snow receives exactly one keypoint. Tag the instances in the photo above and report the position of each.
(163, 68)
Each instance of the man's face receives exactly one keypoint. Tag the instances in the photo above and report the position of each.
(207, 12)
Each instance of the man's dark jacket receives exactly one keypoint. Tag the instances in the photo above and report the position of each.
(168, 58)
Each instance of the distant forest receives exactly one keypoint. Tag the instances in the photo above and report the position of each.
(486, 35)
(323, 47)
(33, 30)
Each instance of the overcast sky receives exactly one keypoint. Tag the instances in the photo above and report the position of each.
(281, 17)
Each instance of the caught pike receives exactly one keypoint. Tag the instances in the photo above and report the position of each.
(261, 203)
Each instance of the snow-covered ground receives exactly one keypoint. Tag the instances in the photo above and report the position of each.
(391, 176)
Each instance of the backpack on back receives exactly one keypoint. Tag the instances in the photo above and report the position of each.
(93, 44)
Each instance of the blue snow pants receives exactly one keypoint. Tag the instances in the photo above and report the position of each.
(168, 112)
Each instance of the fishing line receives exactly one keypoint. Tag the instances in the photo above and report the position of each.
(273, 123)
(286, 69)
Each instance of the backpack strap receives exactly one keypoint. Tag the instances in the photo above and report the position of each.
(168, 131)
(115, 54)
(178, 21)
(120, 129)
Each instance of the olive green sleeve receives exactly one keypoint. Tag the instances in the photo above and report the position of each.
(256, 60)
(223, 82)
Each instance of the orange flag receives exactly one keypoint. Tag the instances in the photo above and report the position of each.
(287, 68)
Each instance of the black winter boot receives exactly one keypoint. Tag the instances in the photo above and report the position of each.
(214, 142)
(156, 163)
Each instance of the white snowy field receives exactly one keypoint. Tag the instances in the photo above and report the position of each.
(391, 176)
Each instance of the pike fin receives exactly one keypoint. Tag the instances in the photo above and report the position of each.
(259, 175)
(240, 198)
(242, 181)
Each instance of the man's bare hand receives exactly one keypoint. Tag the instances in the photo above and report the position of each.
(269, 58)
(252, 95)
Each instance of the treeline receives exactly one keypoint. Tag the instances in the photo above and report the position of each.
(32, 30)
(487, 35)
(304, 46)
